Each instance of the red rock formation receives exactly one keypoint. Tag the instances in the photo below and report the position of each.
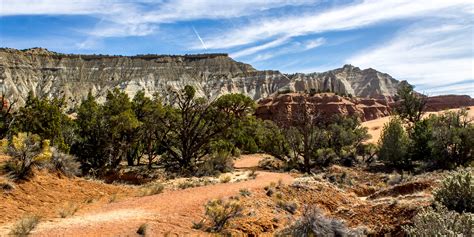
(442, 102)
(284, 108)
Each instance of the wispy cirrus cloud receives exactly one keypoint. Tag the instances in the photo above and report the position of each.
(292, 48)
(353, 16)
(142, 17)
(429, 55)
(258, 48)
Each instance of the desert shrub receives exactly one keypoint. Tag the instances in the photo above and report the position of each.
(198, 225)
(64, 163)
(220, 212)
(26, 151)
(439, 221)
(6, 185)
(457, 192)
(452, 140)
(218, 162)
(152, 189)
(253, 174)
(24, 226)
(393, 145)
(288, 206)
(142, 229)
(68, 210)
(269, 190)
(271, 163)
(313, 223)
(244, 192)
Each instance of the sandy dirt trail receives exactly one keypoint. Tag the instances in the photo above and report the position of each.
(376, 126)
(169, 212)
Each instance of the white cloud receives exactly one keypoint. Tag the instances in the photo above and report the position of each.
(429, 54)
(294, 47)
(139, 18)
(255, 49)
(342, 18)
(50, 7)
(311, 44)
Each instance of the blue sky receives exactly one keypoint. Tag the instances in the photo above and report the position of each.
(427, 42)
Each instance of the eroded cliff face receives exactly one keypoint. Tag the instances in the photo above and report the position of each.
(73, 76)
(286, 108)
(367, 83)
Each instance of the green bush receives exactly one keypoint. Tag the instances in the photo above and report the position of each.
(393, 145)
(439, 221)
(457, 192)
(220, 212)
(218, 162)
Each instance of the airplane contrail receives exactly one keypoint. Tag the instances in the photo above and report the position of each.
(199, 37)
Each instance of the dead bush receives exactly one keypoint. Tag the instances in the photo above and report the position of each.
(24, 226)
(313, 223)
(64, 163)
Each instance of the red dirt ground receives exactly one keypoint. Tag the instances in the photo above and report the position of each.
(169, 212)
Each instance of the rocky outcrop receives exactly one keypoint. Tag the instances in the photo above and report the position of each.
(349, 80)
(52, 74)
(285, 108)
(442, 102)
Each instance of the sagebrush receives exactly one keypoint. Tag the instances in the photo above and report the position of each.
(457, 192)
(220, 212)
(314, 223)
(439, 221)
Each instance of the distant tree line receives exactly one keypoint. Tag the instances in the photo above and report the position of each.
(411, 140)
(190, 135)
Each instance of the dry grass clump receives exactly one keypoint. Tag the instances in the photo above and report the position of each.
(68, 210)
(195, 182)
(113, 198)
(25, 225)
(152, 189)
(225, 178)
(244, 192)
